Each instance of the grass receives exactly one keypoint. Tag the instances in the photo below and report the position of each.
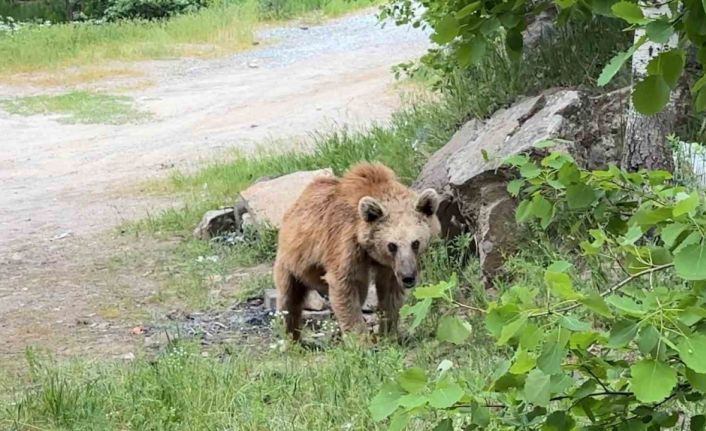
(78, 107)
(222, 28)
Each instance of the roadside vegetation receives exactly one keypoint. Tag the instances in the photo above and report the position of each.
(206, 30)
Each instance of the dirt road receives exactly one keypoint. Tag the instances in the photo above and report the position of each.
(61, 185)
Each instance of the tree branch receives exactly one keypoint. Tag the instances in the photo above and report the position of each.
(613, 289)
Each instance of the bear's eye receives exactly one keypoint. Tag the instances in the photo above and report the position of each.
(392, 247)
(415, 245)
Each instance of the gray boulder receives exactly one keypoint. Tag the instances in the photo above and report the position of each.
(468, 171)
(267, 201)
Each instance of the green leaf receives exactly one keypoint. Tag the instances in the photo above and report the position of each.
(698, 422)
(560, 284)
(626, 305)
(671, 232)
(597, 304)
(559, 421)
(629, 12)
(523, 362)
(692, 350)
(659, 31)
(700, 102)
(648, 339)
(537, 388)
(686, 205)
(399, 421)
(418, 310)
(693, 238)
(622, 332)
(698, 85)
(480, 415)
(468, 9)
(516, 160)
(453, 330)
(436, 290)
(650, 95)
(385, 402)
(511, 329)
(697, 380)
(445, 396)
(573, 324)
(690, 262)
(559, 266)
(580, 196)
(631, 236)
(446, 30)
(471, 52)
(614, 65)
(445, 425)
(530, 337)
(666, 64)
(530, 170)
(524, 211)
(412, 401)
(652, 381)
(550, 359)
(413, 380)
(513, 41)
(514, 187)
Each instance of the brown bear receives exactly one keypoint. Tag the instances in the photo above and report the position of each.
(344, 232)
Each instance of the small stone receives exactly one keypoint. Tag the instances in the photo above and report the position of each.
(314, 301)
(128, 356)
(271, 299)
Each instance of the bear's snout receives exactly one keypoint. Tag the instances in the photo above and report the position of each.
(409, 280)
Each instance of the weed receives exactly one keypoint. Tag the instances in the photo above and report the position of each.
(78, 107)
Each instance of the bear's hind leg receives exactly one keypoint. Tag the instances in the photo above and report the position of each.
(290, 298)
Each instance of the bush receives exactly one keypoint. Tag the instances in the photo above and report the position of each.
(611, 337)
(150, 9)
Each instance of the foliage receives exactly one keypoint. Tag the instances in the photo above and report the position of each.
(467, 30)
(150, 9)
(625, 352)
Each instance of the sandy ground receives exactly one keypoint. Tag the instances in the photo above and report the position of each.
(62, 187)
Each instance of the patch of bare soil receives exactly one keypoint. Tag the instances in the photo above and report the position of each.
(63, 186)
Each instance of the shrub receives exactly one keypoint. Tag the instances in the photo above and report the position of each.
(150, 9)
(611, 337)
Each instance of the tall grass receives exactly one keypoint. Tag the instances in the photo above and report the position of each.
(221, 28)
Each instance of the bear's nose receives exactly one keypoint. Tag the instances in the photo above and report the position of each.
(409, 281)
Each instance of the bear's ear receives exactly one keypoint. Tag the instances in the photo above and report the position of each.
(428, 202)
(370, 210)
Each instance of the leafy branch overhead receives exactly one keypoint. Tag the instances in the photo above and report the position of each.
(465, 29)
(586, 352)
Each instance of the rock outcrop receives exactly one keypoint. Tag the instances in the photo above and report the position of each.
(468, 171)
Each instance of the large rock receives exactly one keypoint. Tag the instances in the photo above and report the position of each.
(267, 201)
(468, 170)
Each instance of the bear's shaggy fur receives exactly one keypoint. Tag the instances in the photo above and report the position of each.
(343, 233)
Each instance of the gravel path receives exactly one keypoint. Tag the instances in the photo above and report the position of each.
(62, 185)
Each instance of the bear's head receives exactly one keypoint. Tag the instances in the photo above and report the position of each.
(396, 230)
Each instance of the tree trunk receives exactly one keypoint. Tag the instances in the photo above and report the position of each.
(646, 143)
